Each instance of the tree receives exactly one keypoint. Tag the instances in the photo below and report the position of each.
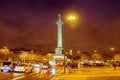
(97, 56)
(85, 56)
(49, 56)
(106, 56)
(117, 56)
(5, 53)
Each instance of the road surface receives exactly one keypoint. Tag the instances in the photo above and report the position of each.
(90, 73)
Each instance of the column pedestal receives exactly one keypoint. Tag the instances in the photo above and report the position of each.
(58, 54)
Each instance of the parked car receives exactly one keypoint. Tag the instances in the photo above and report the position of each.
(86, 64)
(98, 64)
(6, 67)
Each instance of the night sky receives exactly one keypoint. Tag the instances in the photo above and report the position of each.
(32, 24)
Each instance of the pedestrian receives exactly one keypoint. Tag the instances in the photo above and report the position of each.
(114, 65)
(69, 69)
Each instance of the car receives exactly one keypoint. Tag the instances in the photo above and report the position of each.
(6, 67)
(86, 64)
(28, 68)
(20, 68)
(36, 68)
(45, 69)
(98, 64)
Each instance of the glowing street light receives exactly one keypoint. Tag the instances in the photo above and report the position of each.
(112, 48)
(71, 18)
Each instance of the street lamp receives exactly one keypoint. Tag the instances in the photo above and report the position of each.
(112, 49)
(71, 18)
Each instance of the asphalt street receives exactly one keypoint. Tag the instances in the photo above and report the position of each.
(90, 73)
(23, 76)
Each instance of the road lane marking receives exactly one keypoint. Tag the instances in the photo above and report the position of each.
(18, 74)
(18, 77)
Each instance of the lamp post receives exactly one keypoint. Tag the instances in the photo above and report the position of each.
(71, 18)
(64, 64)
(64, 61)
(112, 49)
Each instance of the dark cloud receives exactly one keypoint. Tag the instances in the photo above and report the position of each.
(32, 23)
(16, 22)
(59, 4)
